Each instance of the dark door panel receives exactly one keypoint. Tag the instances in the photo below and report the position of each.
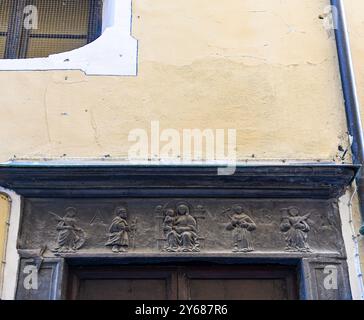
(238, 283)
(237, 289)
(183, 282)
(137, 283)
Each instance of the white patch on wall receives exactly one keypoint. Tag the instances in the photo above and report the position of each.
(115, 52)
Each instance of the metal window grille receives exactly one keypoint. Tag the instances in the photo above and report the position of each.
(38, 28)
(5, 6)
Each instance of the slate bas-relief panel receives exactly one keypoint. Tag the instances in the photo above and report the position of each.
(195, 226)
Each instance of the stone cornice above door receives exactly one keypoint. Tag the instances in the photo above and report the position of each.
(250, 181)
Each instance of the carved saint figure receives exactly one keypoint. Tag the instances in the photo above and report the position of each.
(241, 226)
(70, 237)
(296, 230)
(169, 232)
(180, 229)
(119, 231)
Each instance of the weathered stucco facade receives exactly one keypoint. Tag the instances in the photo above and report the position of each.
(355, 19)
(267, 68)
(269, 64)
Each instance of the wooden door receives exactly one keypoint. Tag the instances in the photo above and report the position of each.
(182, 283)
(122, 283)
(236, 283)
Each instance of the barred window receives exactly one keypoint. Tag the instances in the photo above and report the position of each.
(39, 28)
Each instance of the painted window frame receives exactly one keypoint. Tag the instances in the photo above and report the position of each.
(114, 53)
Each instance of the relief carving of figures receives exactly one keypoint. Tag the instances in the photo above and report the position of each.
(120, 231)
(241, 225)
(70, 236)
(180, 230)
(296, 229)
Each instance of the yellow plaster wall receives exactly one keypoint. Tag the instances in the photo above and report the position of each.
(355, 20)
(265, 67)
(4, 218)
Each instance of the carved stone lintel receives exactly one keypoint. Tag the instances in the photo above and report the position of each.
(181, 225)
